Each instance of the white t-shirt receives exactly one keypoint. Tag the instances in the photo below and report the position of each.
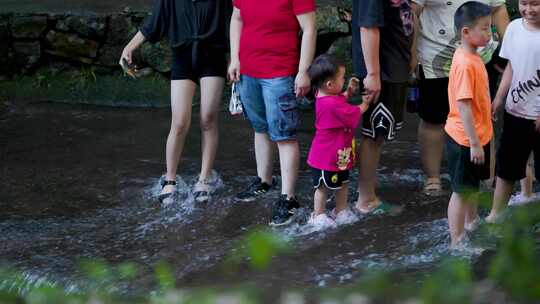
(437, 39)
(521, 47)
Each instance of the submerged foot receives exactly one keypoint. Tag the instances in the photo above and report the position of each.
(433, 187)
(168, 188)
(321, 221)
(344, 217)
(201, 191)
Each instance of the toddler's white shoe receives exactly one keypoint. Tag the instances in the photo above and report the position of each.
(519, 199)
(344, 217)
(321, 221)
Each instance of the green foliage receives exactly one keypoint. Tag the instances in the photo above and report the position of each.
(259, 247)
(165, 276)
(96, 270)
(42, 80)
(85, 77)
(450, 284)
(127, 271)
(516, 265)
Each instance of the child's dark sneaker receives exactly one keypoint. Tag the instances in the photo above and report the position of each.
(284, 210)
(254, 190)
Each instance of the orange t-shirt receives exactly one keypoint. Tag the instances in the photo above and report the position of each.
(469, 80)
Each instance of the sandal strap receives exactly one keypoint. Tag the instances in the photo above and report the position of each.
(202, 186)
(168, 183)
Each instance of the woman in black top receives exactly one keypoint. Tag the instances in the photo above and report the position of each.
(197, 32)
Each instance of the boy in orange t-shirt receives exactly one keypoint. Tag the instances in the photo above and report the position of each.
(469, 124)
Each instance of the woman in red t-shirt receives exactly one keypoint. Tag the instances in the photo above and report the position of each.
(271, 70)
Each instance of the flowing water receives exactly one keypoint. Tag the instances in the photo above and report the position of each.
(81, 182)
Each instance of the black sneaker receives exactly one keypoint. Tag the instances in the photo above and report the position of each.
(284, 210)
(254, 190)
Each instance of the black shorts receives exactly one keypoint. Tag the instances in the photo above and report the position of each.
(464, 175)
(433, 104)
(209, 62)
(384, 118)
(333, 180)
(518, 139)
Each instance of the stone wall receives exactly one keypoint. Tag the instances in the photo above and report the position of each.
(72, 56)
(32, 41)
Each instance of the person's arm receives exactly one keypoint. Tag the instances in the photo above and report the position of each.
(307, 51)
(417, 10)
(504, 86)
(152, 30)
(364, 106)
(234, 33)
(349, 115)
(465, 112)
(370, 48)
(134, 44)
(500, 20)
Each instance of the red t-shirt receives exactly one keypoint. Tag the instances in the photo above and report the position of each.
(269, 45)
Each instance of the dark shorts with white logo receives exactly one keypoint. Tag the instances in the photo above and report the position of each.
(332, 180)
(385, 118)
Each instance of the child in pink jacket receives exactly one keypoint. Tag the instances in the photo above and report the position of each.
(332, 151)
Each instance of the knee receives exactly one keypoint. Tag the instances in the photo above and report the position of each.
(209, 121)
(180, 128)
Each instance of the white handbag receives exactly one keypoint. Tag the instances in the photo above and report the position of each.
(235, 105)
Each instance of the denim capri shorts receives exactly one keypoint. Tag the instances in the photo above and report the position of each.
(270, 106)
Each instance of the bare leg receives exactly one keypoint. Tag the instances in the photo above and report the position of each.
(320, 200)
(491, 163)
(503, 191)
(527, 183)
(471, 213)
(211, 91)
(182, 92)
(431, 140)
(264, 156)
(289, 160)
(341, 198)
(456, 219)
(370, 154)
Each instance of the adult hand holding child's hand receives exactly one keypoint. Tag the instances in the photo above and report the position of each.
(372, 86)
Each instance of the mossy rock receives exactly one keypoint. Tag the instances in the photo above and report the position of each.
(158, 56)
(28, 27)
(7, 56)
(71, 46)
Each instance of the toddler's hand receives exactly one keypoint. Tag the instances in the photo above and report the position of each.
(353, 86)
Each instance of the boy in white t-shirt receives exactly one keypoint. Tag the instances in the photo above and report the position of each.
(521, 87)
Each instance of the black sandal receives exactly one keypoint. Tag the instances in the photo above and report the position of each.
(164, 183)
